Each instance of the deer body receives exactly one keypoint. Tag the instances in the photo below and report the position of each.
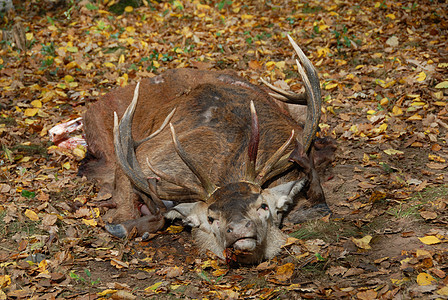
(202, 162)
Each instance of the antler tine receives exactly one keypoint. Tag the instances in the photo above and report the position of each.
(206, 182)
(155, 133)
(253, 144)
(194, 189)
(313, 92)
(286, 96)
(261, 177)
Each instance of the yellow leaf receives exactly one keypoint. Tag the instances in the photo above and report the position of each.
(393, 152)
(68, 78)
(363, 243)
(425, 279)
(384, 102)
(415, 117)
(66, 165)
(31, 112)
(36, 103)
(331, 86)
(430, 240)
(371, 112)
(72, 49)
(107, 292)
(442, 85)
(381, 129)
(5, 281)
(285, 272)
(31, 215)
(391, 16)
(443, 291)
(436, 158)
(399, 282)
(175, 229)
(247, 17)
(128, 9)
(71, 65)
(322, 51)
(388, 85)
(90, 222)
(154, 286)
(121, 59)
(109, 65)
(79, 152)
(396, 111)
(421, 76)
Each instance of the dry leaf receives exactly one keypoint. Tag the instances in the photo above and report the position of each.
(284, 272)
(367, 295)
(425, 279)
(430, 240)
(363, 243)
(31, 215)
(428, 215)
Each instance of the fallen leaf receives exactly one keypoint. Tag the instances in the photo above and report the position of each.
(174, 272)
(367, 295)
(425, 279)
(430, 240)
(443, 291)
(118, 263)
(284, 272)
(442, 85)
(5, 281)
(363, 243)
(421, 76)
(428, 215)
(392, 41)
(31, 215)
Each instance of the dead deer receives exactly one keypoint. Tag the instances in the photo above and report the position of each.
(231, 163)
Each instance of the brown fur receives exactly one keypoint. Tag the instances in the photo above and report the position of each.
(212, 122)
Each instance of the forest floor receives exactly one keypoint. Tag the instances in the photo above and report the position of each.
(383, 68)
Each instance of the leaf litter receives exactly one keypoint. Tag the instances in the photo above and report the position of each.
(384, 71)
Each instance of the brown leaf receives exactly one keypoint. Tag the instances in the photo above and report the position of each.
(436, 166)
(338, 270)
(174, 272)
(284, 272)
(49, 220)
(367, 295)
(428, 215)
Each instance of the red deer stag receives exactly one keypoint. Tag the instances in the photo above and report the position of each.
(229, 165)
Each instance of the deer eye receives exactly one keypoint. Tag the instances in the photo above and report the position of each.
(264, 206)
(210, 220)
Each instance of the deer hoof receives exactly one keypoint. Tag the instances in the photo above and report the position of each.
(145, 236)
(117, 230)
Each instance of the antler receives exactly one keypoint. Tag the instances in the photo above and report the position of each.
(279, 162)
(125, 151)
(286, 96)
(313, 94)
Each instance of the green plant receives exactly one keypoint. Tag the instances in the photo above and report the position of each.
(88, 280)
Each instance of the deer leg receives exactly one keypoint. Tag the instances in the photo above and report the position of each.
(128, 213)
(315, 205)
(146, 224)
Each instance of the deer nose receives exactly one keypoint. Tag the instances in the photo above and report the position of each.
(240, 227)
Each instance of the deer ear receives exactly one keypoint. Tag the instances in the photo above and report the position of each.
(192, 214)
(280, 196)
